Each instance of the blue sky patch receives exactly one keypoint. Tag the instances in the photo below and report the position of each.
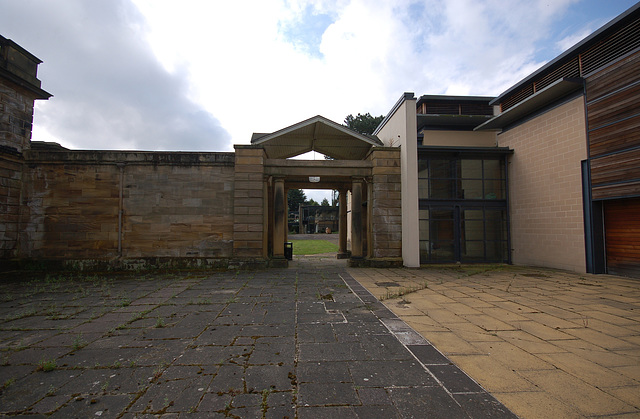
(305, 33)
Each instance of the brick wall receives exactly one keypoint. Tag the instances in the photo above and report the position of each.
(176, 205)
(545, 188)
(386, 216)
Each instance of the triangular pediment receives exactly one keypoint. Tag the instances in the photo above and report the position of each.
(316, 134)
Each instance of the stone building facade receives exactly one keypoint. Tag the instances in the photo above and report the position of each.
(544, 174)
(117, 209)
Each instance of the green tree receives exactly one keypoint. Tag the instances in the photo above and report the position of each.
(295, 197)
(364, 124)
(312, 202)
(325, 202)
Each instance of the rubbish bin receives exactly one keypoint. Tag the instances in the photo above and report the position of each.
(288, 250)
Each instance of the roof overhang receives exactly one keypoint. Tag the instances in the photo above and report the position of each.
(537, 101)
(319, 134)
(578, 48)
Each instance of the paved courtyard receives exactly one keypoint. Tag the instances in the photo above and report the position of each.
(546, 343)
(320, 340)
(305, 342)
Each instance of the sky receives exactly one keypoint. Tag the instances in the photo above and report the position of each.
(203, 75)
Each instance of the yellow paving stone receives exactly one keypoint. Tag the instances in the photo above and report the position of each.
(424, 325)
(542, 331)
(450, 343)
(629, 394)
(575, 300)
(401, 309)
(608, 328)
(491, 375)
(474, 302)
(588, 400)
(444, 316)
(551, 321)
(594, 353)
(616, 311)
(564, 334)
(504, 315)
(635, 340)
(489, 297)
(423, 304)
(487, 322)
(437, 298)
(599, 338)
(514, 307)
(460, 308)
(537, 405)
(529, 342)
(472, 333)
(586, 370)
(567, 313)
(511, 356)
(631, 371)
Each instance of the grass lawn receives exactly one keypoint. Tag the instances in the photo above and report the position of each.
(312, 247)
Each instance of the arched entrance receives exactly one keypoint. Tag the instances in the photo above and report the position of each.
(366, 175)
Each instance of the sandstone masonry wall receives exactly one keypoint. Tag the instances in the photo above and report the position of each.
(386, 217)
(109, 205)
(10, 193)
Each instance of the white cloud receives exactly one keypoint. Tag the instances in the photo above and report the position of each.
(196, 74)
(110, 92)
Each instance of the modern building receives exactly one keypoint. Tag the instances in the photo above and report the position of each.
(547, 173)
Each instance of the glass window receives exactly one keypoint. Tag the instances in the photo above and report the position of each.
(442, 189)
(493, 169)
(473, 251)
(494, 189)
(423, 188)
(471, 189)
(471, 169)
(423, 169)
(440, 168)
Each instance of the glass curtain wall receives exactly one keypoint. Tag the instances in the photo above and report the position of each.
(463, 209)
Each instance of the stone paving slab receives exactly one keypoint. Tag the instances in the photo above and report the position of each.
(304, 342)
(546, 343)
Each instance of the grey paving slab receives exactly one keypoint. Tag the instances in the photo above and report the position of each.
(306, 341)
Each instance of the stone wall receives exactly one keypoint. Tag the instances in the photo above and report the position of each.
(10, 192)
(386, 203)
(16, 116)
(103, 206)
(249, 201)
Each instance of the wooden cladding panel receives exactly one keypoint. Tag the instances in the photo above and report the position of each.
(614, 77)
(622, 236)
(616, 190)
(615, 137)
(614, 108)
(621, 167)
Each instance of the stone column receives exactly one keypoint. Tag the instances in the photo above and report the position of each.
(279, 218)
(356, 218)
(342, 225)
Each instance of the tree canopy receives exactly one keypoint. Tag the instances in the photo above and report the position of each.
(364, 124)
(295, 197)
